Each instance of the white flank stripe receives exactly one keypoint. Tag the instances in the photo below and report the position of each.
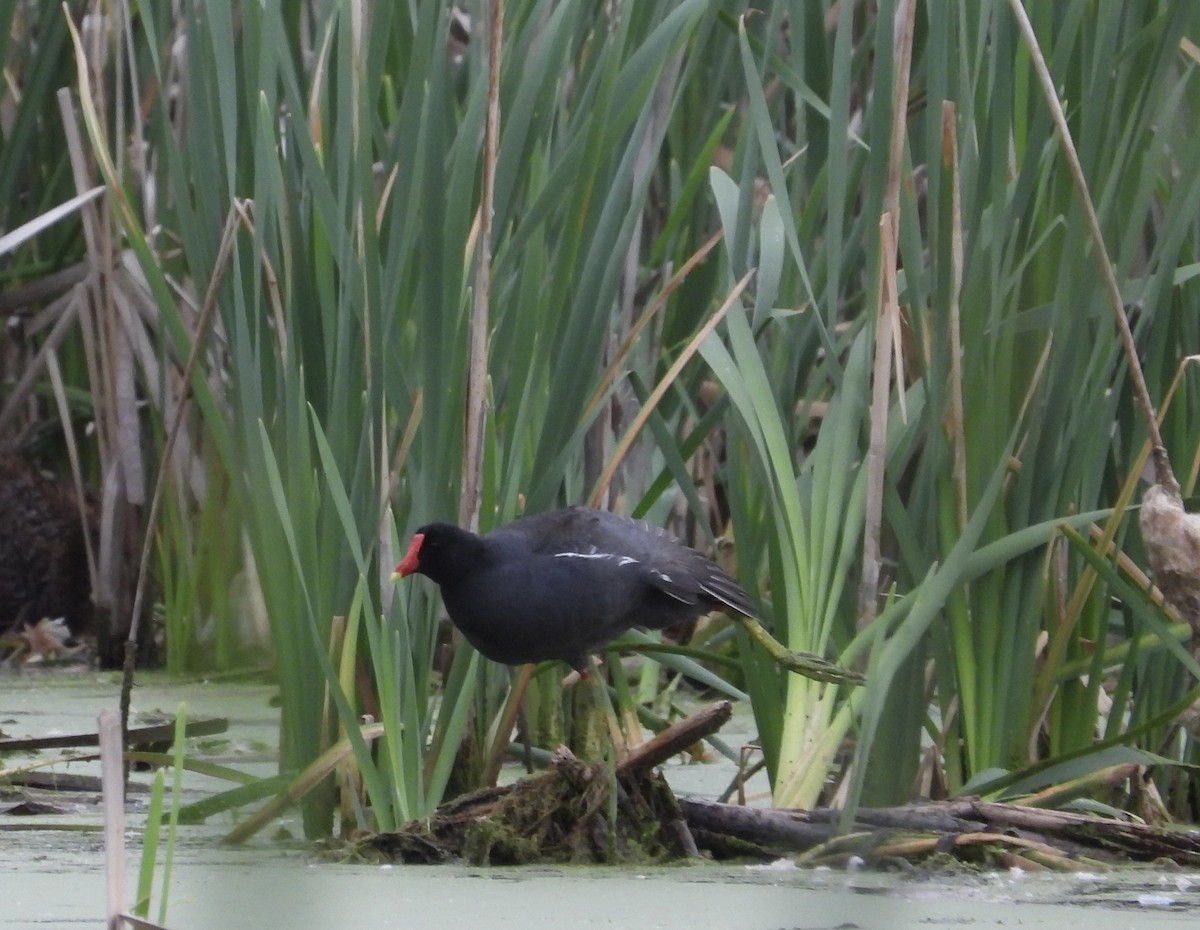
(621, 559)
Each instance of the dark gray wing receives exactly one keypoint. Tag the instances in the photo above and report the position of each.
(667, 564)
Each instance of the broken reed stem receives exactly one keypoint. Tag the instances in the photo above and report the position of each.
(958, 435)
(887, 321)
(881, 381)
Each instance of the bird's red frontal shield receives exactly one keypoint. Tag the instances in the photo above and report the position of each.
(408, 564)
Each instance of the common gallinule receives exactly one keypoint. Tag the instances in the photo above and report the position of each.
(562, 584)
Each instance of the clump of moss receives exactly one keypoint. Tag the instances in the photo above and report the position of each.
(599, 818)
(587, 815)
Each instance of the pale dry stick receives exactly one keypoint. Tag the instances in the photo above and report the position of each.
(11, 241)
(477, 373)
(1163, 473)
(887, 321)
(112, 778)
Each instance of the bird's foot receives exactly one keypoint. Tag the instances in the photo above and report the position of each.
(574, 677)
(582, 674)
(802, 663)
(812, 666)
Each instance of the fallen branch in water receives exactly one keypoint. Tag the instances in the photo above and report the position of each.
(1019, 835)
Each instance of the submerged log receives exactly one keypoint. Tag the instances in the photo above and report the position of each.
(1047, 838)
(139, 737)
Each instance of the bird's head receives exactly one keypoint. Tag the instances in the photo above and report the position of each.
(440, 551)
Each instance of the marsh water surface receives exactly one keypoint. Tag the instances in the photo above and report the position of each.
(52, 873)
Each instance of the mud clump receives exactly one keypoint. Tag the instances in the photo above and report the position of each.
(43, 554)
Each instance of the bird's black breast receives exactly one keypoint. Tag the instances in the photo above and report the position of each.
(559, 606)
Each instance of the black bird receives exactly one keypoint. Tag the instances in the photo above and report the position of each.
(562, 584)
